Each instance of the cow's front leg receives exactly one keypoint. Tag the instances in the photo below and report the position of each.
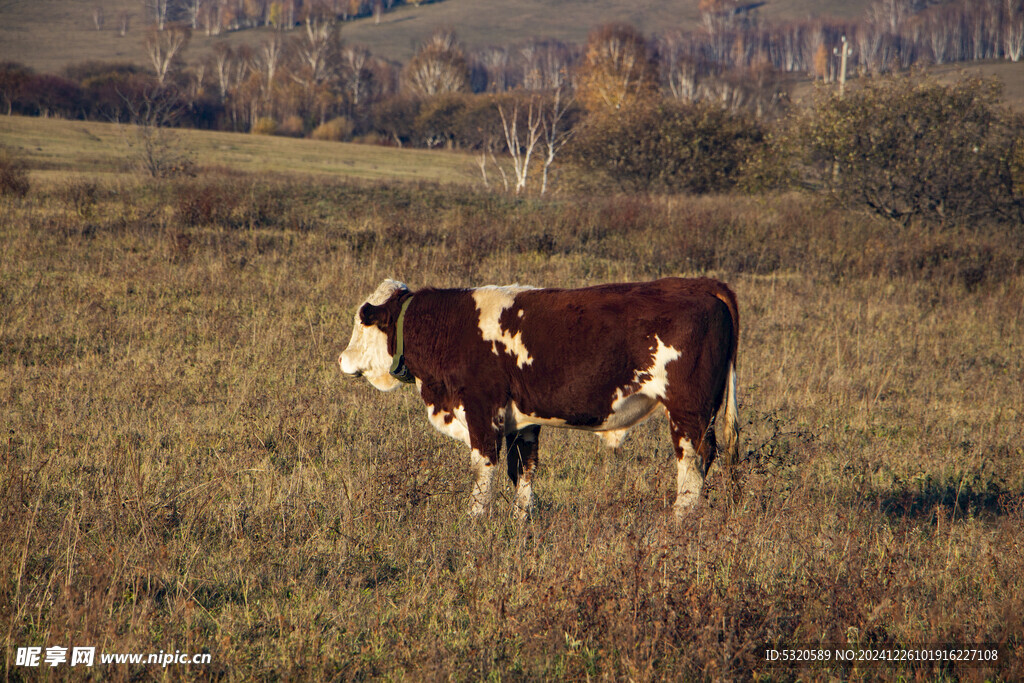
(483, 469)
(485, 440)
(522, 461)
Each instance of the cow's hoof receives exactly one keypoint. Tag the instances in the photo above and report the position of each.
(521, 514)
(684, 509)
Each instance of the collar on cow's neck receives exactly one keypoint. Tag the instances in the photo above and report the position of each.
(399, 370)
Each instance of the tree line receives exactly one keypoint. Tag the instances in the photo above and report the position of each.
(215, 17)
(304, 74)
(666, 113)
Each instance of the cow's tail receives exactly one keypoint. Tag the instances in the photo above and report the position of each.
(730, 436)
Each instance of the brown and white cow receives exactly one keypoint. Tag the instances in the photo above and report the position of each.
(494, 364)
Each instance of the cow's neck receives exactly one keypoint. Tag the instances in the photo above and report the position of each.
(399, 370)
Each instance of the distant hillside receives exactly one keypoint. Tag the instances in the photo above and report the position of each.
(47, 35)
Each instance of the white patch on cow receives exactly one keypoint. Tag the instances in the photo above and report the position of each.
(648, 387)
(654, 380)
(452, 423)
(367, 350)
(689, 478)
(491, 301)
(484, 471)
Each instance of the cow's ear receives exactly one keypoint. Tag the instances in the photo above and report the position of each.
(372, 315)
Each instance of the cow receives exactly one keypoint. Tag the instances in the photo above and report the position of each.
(494, 364)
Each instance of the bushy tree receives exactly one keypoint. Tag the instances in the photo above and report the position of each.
(668, 147)
(909, 148)
(438, 68)
(13, 77)
(47, 95)
(618, 69)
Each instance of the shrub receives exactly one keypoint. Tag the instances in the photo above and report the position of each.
(667, 146)
(908, 148)
(13, 175)
(336, 130)
(292, 126)
(395, 119)
(80, 197)
(264, 125)
(437, 121)
(160, 153)
(208, 203)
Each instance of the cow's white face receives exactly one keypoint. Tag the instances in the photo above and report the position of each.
(367, 352)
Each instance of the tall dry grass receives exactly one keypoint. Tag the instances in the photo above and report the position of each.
(184, 468)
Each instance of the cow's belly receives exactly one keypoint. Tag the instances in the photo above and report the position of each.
(629, 411)
(625, 412)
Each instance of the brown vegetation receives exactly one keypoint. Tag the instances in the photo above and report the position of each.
(185, 469)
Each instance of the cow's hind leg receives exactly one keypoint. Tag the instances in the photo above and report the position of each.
(522, 461)
(694, 444)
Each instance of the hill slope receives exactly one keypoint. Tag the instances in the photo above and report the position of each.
(50, 34)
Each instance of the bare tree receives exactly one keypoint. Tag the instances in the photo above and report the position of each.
(521, 151)
(197, 79)
(163, 46)
(937, 30)
(679, 68)
(716, 21)
(160, 11)
(315, 49)
(889, 14)
(497, 65)
(546, 65)
(356, 74)
(791, 47)
(269, 58)
(556, 132)
(154, 147)
(194, 10)
(1013, 34)
(223, 56)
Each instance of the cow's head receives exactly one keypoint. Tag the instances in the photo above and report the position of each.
(367, 354)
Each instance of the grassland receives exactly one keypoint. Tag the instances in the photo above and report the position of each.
(58, 149)
(185, 469)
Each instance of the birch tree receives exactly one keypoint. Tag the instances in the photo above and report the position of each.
(556, 132)
(439, 67)
(164, 46)
(521, 150)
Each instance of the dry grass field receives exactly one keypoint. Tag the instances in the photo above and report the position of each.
(60, 150)
(185, 469)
